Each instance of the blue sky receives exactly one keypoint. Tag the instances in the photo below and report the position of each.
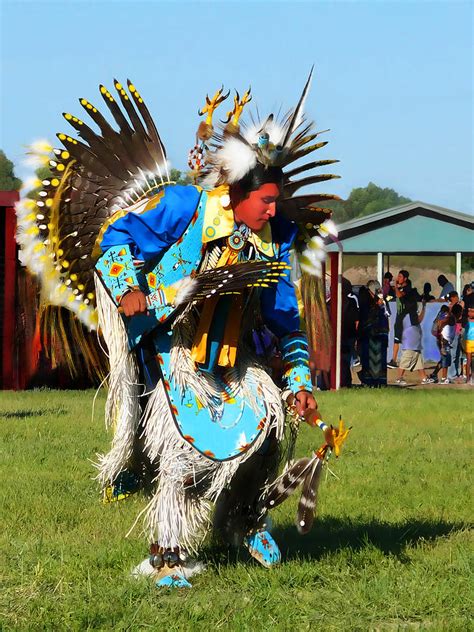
(393, 80)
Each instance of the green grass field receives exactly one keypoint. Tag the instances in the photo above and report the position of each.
(391, 549)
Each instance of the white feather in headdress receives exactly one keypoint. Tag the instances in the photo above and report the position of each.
(273, 128)
(235, 159)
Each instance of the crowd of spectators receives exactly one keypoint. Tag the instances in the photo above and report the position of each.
(366, 326)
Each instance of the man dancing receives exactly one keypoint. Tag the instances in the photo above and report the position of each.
(183, 276)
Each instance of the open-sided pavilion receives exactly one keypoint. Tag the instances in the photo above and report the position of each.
(416, 228)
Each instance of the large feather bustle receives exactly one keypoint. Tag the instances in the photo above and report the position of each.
(65, 342)
(40, 234)
(40, 260)
(90, 180)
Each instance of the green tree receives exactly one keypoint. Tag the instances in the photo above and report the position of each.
(179, 177)
(364, 201)
(8, 180)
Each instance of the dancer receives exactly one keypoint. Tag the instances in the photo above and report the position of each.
(183, 274)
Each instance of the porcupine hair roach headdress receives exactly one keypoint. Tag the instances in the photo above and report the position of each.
(228, 155)
(236, 151)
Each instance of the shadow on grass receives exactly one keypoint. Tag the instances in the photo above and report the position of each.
(23, 414)
(333, 534)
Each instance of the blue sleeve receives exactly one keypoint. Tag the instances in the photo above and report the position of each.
(279, 307)
(143, 236)
(279, 304)
(161, 224)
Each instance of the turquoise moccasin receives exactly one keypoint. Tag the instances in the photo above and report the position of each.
(174, 578)
(263, 548)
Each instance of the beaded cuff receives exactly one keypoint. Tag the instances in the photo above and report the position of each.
(117, 270)
(294, 351)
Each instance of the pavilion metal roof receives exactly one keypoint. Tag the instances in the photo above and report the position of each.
(413, 228)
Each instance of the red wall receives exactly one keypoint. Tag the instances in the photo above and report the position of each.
(8, 380)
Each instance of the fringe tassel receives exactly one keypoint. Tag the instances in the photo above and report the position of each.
(317, 319)
(122, 410)
(65, 341)
(187, 483)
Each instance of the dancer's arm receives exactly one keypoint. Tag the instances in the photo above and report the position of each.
(280, 312)
(138, 235)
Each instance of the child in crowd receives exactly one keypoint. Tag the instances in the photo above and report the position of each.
(446, 337)
(455, 370)
(469, 343)
(412, 359)
(437, 328)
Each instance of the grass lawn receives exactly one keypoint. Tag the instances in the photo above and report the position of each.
(390, 550)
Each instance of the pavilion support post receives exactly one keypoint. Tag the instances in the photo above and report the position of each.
(336, 317)
(458, 273)
(380, 267)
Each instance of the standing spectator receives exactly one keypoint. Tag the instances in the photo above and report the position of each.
(387, 286)
(467, 298)
(446, 328)
(427, 297)
(350, 323)
(403, 292)
(446, 288)
(468, 293)
(412, 358)
(455, 370)
(469, 342)
(388, 291)
(373, 335)
(436, 332)
(467, 301)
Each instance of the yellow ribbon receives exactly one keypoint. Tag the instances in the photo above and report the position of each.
(228, 350)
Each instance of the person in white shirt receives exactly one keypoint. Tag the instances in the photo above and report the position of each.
(412, 358)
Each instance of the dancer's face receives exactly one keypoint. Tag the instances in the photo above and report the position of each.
(256, 209)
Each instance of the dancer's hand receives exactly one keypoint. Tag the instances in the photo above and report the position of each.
(133, 303)
(304, 401)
